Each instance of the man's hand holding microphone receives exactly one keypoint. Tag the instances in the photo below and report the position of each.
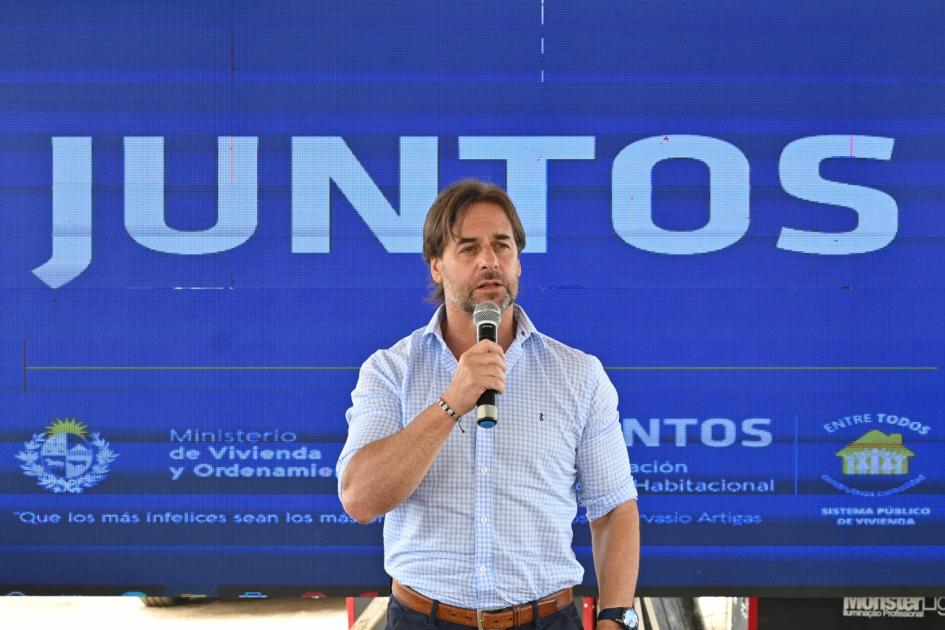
(480, 375)
(481, 368)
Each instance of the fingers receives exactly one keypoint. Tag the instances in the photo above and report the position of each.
(481, 368)
(486, 364)
(492, 377)
(485, 347)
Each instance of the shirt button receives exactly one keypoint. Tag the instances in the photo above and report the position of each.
(483, 520)
(484, 469)
(482, 568)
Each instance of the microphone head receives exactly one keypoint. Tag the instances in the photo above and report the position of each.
(487, 313)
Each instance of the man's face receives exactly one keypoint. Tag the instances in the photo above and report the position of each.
(481, 263)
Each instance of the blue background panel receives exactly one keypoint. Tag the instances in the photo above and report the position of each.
(743, 371)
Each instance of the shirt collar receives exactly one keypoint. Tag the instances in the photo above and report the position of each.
(524, 328)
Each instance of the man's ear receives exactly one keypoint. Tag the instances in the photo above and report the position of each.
(435, 264)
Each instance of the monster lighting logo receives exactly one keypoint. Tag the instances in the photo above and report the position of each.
(876, 607)
(63, 460)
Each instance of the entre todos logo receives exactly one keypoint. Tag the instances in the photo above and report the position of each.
(875, 463)
(876, 454)
(63, 460)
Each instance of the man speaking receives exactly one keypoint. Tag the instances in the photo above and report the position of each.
(478, 527)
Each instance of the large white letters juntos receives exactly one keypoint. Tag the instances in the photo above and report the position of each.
(319, 161)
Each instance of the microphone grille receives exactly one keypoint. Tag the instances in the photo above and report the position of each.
(487, 312)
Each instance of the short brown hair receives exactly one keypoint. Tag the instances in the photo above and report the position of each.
(448, 209)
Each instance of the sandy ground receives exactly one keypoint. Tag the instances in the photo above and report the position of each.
(113, 613)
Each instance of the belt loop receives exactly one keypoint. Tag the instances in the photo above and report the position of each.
(536, 614)
(431, 620)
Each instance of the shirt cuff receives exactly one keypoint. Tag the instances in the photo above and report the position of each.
(600, 506)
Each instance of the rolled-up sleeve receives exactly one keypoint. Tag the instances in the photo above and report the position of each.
(376, 409)
(603, 466)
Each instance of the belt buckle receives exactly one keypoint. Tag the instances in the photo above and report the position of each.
(479, 618)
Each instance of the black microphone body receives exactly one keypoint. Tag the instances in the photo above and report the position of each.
(486, 317)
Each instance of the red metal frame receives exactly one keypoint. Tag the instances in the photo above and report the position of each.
(752, 613)
(588, 616)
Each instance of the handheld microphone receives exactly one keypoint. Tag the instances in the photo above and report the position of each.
(486, 316)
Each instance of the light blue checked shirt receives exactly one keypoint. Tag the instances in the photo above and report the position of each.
(490, 524)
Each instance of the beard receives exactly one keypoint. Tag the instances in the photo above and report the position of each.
(467, 299)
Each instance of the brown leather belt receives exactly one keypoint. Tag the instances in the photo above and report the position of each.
(486, 619)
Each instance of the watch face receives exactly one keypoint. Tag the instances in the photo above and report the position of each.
(630, 619)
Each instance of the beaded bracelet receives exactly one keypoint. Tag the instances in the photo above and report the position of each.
(449, 410)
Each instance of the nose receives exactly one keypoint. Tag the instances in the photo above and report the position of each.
(488, 259)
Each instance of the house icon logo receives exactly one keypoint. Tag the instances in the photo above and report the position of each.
(877, 462)
(876, 453)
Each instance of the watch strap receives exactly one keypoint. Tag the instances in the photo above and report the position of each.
(618, 615)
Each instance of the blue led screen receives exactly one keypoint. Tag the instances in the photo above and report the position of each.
(212, 215)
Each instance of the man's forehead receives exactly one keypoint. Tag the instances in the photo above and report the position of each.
(482, 220)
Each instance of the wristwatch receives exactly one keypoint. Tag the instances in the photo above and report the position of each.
(626, 617)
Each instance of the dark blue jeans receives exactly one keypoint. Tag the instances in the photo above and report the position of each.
(399, 617)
